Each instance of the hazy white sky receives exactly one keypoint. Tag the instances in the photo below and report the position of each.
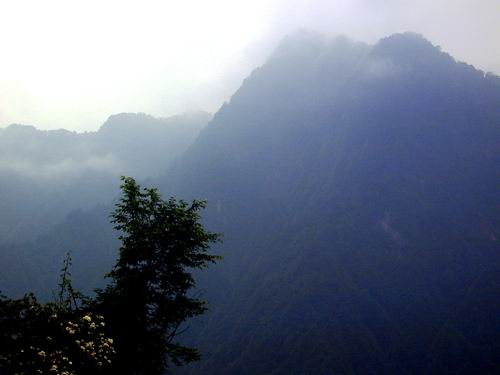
(70, 64)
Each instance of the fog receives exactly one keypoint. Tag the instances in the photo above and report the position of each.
(47, 174)
(67, 65)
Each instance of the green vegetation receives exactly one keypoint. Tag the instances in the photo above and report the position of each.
(148, 298)
(130, 327)
(64, 337)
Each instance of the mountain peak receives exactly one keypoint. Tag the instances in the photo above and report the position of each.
(305, 42)
(20, 129)
(408, 38)
(410, 48)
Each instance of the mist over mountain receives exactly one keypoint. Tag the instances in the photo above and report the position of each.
(46, 174)
(357, 190)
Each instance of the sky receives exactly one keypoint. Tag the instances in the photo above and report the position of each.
(70, 64)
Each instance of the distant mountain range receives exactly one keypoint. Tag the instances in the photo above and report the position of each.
(46, 174)
(357, 188)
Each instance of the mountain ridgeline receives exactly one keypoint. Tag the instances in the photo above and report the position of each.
(46, 174)
(357, 190)
(56, 191)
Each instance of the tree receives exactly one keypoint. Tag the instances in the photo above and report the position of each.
(147, 299)
(60, 338)
(131, 326)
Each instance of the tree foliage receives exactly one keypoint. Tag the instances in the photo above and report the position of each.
(61, 338)
(148, 299)
(130, 327)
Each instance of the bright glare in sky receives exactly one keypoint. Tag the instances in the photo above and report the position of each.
(70, 64)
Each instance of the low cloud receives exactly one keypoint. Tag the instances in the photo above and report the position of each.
(66, 168)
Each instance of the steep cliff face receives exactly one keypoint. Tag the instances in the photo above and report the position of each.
(357, 190)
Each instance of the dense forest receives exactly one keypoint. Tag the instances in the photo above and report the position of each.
(356, 187)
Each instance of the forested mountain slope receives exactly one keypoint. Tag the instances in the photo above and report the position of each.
(357, 190)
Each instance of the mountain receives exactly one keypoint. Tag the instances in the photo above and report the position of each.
(46, 174)
(357, 190)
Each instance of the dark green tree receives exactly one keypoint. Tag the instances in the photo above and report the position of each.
(130, 327)
(148, 298)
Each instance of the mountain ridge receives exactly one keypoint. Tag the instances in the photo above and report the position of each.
(47, 173)
(382, 180)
